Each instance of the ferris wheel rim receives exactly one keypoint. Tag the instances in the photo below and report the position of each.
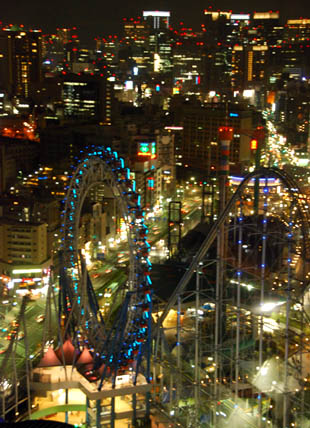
(111, 168)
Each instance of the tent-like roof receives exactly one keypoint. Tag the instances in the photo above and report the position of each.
(67, 353)
(85, 357)
(49, 359)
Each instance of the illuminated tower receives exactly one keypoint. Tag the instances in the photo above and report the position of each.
(217, 30)
(20, 60)
(159, 39)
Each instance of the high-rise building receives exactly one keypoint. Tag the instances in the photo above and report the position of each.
(239, 27)
(23, 243)
(297, 30)
(16, 155)
(216, 26)
(159, 40)
(200, 148)
(188, 64)
(248, 66)
(87, 97)
(20, 60)
(136, 41)
(217, 31)
(266, 26)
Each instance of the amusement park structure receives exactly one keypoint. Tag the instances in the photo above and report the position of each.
(231, 342)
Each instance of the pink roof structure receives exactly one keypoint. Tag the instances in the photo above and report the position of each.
(49, 359)
(85, 357)
(67, 353)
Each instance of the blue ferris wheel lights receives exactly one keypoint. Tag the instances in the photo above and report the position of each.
(122, 162)
(133, 185)
(115, 155)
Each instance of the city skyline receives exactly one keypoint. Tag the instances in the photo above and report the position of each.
(102, 19)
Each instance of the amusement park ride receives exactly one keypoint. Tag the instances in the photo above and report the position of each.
(231, 342)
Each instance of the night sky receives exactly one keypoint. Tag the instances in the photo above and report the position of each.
(100, 17)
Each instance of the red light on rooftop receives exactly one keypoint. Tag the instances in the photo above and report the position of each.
(226, 133)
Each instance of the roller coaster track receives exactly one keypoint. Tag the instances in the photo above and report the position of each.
(294, 192)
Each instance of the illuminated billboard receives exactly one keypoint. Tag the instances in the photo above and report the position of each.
(147, 150)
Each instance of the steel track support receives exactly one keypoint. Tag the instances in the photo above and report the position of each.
(287, 324)
(239, 246)
(197, 349)
(262, 297)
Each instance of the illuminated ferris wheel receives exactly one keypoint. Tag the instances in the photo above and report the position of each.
(116, 341)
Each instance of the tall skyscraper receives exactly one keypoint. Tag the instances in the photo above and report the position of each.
(20, 60)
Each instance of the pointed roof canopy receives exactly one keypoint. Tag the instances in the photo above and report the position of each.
(49, 359)
(85, 357)
(67, 352)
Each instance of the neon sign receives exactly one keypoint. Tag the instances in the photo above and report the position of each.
(147, 149)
